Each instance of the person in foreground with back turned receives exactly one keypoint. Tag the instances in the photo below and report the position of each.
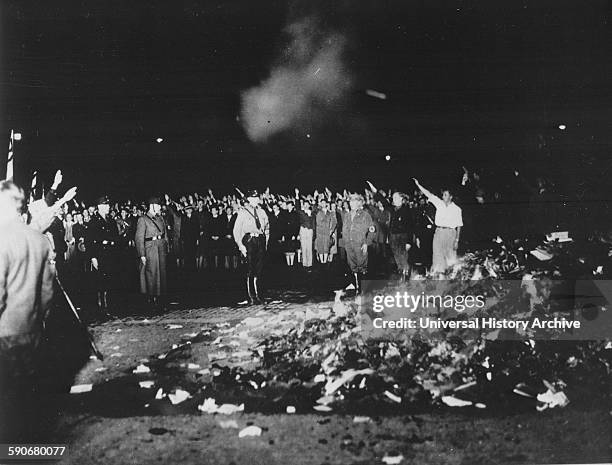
(27, 271)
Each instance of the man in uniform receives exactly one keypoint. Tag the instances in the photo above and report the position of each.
(152, 248)
(26, 290)
(358, 232)
(401, 229)
(251, 233)
(103, 250)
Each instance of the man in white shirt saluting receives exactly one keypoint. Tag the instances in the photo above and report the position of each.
(448, 222)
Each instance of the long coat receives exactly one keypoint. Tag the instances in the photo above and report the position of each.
(104, 240)
(325, 226)
(153, 272)
(26, 283)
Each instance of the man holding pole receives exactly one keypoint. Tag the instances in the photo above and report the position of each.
(27, 271)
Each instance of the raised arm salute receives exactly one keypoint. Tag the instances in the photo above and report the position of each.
(448, 223)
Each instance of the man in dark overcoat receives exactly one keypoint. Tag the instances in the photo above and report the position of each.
(152, 247)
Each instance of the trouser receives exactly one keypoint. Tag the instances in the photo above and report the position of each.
(19, 364)
(400, 254)
(306, 246)
(357, 260)
(256, 250)
(444, 254)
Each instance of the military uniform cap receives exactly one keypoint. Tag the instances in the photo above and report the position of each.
(103, 200)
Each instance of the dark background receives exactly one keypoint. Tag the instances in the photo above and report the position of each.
(92, 84)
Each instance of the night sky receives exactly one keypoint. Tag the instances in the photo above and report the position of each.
(92, 84)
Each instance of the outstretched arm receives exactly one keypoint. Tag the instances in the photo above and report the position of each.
(378, 196)
(238, 233)
(431, 197)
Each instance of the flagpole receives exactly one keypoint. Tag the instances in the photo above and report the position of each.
(9, 160)
(15, 136)
(33, 185)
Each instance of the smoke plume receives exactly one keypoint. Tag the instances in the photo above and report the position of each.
(307, 81)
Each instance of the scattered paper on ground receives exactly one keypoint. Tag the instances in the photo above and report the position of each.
(250, 431)
(179, 396)
(80, 388)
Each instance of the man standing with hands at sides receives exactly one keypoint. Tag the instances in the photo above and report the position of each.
(448, 221)
(401, 229)
(358, 232)
(152, 248)
(251, 233)
(103, 246)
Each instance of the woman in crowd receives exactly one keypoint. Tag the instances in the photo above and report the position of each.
(230, 249)
(333, 250)
(291, 232)
(215, 234)
(326, 223)
(307, 225)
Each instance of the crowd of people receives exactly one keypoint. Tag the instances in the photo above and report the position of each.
(109, 240)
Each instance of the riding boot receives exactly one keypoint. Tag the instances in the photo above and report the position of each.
(102, 311)
(257, 298)
(357, 283)
(249, 291)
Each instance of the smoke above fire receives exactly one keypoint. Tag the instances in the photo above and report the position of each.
(305, 84)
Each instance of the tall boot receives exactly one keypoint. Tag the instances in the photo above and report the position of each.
(357, 283)
(102, 306)
(256, 298)
(249, 291)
